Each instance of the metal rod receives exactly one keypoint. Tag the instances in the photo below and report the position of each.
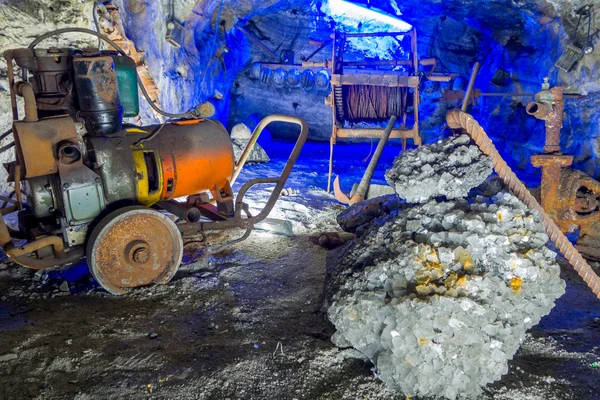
(352, 35)
(181, 210)
(237, 221)
(8, 56)
(470, 87)
(257, 41)
(363, 186)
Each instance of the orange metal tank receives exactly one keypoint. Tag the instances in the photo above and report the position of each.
(192, 158)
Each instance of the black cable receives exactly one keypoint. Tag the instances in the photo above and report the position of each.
(116, 46)
(5, 134)
(7, 147)
(95, 16)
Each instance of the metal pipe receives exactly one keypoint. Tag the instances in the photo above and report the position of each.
(254, 138)
(54, 241)
(538, 110)
(8, 56)
(363, 186)
(25, 90)
(257, 41)
(470, 87)
(461, 120)
(50, 262)
(184, 211)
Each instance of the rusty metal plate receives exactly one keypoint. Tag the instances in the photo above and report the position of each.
(133, 247)
(37, 143)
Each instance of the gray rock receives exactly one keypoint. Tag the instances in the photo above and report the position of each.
(449, 168)
(64, 287)
(8, 357)
(440, 296)
(240, 132)
(257, 155)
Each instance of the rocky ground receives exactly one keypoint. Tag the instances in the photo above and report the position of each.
(245, 324)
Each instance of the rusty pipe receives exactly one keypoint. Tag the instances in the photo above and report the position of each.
(9, 56)
(54, 241)
(549, 107)
(182, 210)
(470, 87)
(257, 41)
(363, 186)
(460, 120)
(539, 110)
(24, 89)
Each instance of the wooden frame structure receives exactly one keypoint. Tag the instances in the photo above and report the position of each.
(372, 77)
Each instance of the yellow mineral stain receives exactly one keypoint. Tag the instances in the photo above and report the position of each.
(515, 284)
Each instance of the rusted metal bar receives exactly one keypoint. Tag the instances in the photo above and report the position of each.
(187, 212)
(460, 120)
(363, 186)
(470, 87)
(8, 56)
(49, 262)
(314, 53)
(54, 241)
(257, 41)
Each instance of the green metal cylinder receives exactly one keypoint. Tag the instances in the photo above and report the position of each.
(127, 81)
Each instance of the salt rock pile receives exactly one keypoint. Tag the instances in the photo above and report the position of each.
(440, 295)
(449, 168)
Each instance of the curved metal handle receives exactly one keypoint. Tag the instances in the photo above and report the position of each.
(259, 129)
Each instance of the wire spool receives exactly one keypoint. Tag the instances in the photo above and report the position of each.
(363, 102)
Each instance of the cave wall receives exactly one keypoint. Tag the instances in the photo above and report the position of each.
(524, 37)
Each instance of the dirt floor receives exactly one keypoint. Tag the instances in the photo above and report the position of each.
(246, 324)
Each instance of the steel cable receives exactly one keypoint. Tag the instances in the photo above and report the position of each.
(374, 102)
(460, 120)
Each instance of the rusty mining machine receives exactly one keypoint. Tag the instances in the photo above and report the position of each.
(101, 189)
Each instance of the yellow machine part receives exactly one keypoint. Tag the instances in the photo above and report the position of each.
(149, 171)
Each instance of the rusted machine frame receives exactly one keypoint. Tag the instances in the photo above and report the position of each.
(389, 79)
(560, 185)
(237, 221)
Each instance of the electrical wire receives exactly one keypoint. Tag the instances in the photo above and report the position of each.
(95, 16)
(7, 147)
(5, 134)
(116, 46)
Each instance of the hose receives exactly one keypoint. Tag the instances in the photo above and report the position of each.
(116, 46)
(96, 24)
(460, 120)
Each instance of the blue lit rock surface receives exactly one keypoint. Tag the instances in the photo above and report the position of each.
(440, 296)
(450, 168)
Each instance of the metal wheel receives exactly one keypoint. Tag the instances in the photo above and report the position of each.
(133, 247)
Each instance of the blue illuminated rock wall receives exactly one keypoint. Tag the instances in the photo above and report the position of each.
(523, 37)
